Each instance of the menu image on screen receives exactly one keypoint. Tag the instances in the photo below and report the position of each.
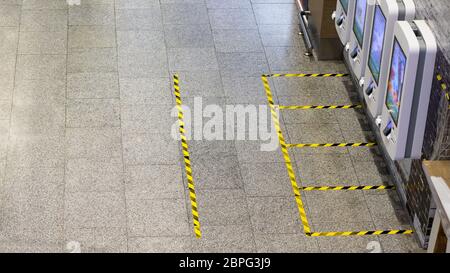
(344, 4)
(396, 78)
(376, 46)
(360, 18)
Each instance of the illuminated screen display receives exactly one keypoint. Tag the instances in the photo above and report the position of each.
(376, 46)
(360, 18)
(344, 4)
(396, 79)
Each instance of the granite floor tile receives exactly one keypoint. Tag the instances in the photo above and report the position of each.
(232, 19)
(188, 59)
(143, 65)
(93, 142)
(6, 87)
(32, 67)
(287, 58)
(352, 244)
(9, 37)
(285, 243)
(216, 172)
(251, 152)
(230, 4)
(44, 120)
(5, 109)
(191, 13)
(32, 199)
(248, 90)
(229, 40)
(222, 207)
(96, 85)
(280, 35)
(154, 181)
(43, 20)
(333, 206)
(274, 215)
(219, 239)
(83, 37)
(36, 152)
(96, 240)
(92, 60)
(188, 36)
(9, 15)
(93, 113)
(157, 217)
(44, 5)
(149, 149)
(133, 19)
(201, 84)
(95, 15)
(94, 175)
(159, 244)
(146, 119)
(147, 91)
(276, 14)
(94, 210)
(238, 64)
(39, 92)
(266, 179)
(140, 41)
(39, 42)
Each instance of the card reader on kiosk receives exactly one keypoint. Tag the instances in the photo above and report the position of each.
(358, 44)
(407, 96)
(387, 13)
(343, 18)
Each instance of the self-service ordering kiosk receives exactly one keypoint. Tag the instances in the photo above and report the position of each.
(357, 47)
(387, 13)
(409, 78)
(343, 18)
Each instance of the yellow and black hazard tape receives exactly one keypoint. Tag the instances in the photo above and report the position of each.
(443, 86)
(287, 159)
(327, 145)
(296, 189)
(317, 75)
(313, 107)
(186, 156)
(360, 233)
(348, 188)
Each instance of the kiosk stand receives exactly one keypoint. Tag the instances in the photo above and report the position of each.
(408, 88)
(343, 18)
(357, 47)
(387, 13)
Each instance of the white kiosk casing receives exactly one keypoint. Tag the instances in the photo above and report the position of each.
(358, 44)
(405, 110)
(386, 14)
(343, 19)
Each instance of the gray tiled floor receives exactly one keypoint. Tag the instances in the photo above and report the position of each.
(86, 153)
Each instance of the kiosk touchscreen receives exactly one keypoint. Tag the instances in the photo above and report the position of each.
(410, 75)
(343, 18)
(387, 13)
(359, 37)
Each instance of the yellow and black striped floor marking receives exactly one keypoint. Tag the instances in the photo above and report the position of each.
(360, 233)
(443, 86)
(317, 75)
(186, 156)
(295, 187)
(287, 159)
(319, 107)
(347, 188)
(330, 145)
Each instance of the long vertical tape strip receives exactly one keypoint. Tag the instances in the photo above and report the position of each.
(187, 160)
(316, 75)
(287, 159)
